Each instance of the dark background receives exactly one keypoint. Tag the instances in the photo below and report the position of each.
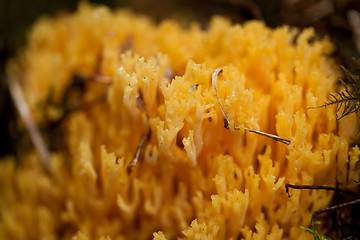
(328, 17)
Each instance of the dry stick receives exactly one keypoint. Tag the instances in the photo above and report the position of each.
(227, 119)
(31, 126)
(145, 137)
(138, 150)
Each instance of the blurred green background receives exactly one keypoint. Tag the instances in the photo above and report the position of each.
(328, 17)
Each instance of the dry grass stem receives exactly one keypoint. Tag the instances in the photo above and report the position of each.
(30, 123)
(227, 119)
(144, 138)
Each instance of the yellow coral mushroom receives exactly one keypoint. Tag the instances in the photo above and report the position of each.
(194, 178)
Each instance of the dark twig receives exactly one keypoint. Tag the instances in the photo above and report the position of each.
(311, 187)
(332, 208)
(328, 209)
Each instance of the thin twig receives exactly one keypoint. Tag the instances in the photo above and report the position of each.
(328, 209)
(30, 123)
(144, 138)
(135, 159)
(227, 119)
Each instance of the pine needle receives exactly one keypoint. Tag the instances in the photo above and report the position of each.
(227, 119)
(30, 123)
